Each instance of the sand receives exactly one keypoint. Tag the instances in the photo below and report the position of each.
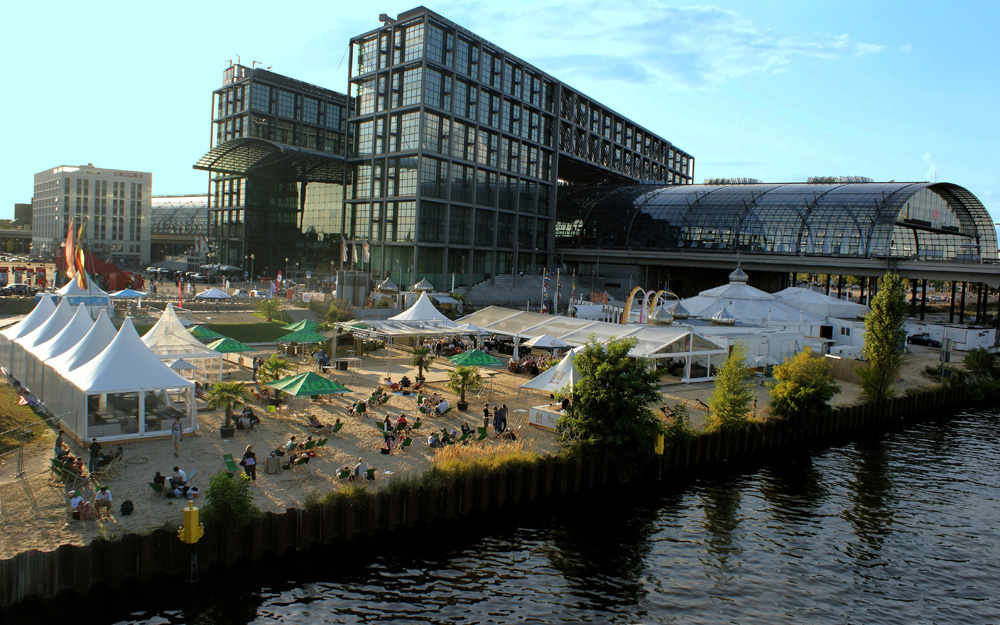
(34, 511)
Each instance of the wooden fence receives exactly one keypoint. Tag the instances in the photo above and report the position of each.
(141, 557)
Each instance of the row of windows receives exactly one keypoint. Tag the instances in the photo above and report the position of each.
(296, 106)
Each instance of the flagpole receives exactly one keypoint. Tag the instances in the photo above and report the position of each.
(555, 308)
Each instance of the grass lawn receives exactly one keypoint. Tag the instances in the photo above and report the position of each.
(13, 415)
(263, 332)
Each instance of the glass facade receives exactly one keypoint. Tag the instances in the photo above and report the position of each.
(917, 221)
(456, 148)
(277, 176)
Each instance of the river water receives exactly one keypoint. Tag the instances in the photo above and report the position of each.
(900, 527)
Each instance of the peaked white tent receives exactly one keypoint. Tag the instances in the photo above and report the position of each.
(170, 340)
(124, 391)
(212, 293)
(44, 307)
(22, 351)
(545, 341)
(556, 378)
(422, 310)
(71, 334)
(93, 297)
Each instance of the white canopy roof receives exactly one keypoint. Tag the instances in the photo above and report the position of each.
(544, 340)
(42, 311)
(72, 288)
(126, 365)
(93, 343)
(820, 304)
(69, 336)
(422, 310)
(559, 376)
(51, 327)
(212, 293)
(169, 338)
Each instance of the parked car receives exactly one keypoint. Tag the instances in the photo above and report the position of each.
(17, 289)
(923, 339)
(197, 277)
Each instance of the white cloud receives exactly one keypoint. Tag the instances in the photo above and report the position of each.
(691, 47)
(931, 173)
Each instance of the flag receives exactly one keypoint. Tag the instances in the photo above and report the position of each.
(364, 248)
(546, 282)
(70, 251)
(278, 280)
(180, 293)
(343, 250)
(81, 268)
(354, 252)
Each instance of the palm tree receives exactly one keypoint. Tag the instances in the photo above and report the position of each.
(270, 307)
(274, 368)
(462, 379)
(229, 395)
(422, 359)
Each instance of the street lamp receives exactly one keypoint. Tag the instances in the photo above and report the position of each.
(252, 275)
(286, 267)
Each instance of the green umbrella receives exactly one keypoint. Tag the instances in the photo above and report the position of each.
(303, 336)
(203, 333)
(230, 346)
(308, 383)
(354, 325)
(305, 324)
(475, 358)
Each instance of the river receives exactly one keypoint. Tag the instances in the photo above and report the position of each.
(899, 527)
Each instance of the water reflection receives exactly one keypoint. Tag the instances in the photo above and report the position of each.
(793, 488)
(721, 502)
(870, 491)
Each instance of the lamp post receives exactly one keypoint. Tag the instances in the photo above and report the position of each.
(286, 267)
(252, 275)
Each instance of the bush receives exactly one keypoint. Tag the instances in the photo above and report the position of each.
(804, 387)
(335, 313)
(229, 502)
(729, 405)
(885, 334)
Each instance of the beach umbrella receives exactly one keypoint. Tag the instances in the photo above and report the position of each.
(181, 365)
(307, 384)
(305, 324)
(354, 324)
(475, 358)
(213, 293)
(128, 294)
(230, 346)
(545, 341)
(303, 337)
(203, 333)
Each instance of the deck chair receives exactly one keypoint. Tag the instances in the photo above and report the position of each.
(343, 474)
(400, 427)
(157, 490)
(67, 478)
(231, 466)
(447, 410)
(464, 436)
(422, 409)
(370, 474)
(483, 433)
(406, 443)
(420, 399)
(191, 474)
(416, 425)
(271, 409)
(322, 442)
(337, 427)
(302, 460)
(309, 445)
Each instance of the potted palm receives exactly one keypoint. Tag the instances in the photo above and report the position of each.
(274, 368)
(422, 359)
(228, 395)
(461, 380)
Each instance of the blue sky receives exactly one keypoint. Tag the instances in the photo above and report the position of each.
(778, 91)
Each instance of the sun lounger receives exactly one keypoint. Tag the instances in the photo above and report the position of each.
(322, 442)
(344, 474)
(337, 427)
(158, 490)
(416, 425)
(370, 474)
(309, 445)
(231, 465)
(483, 433)
(464, 436)
(406, 443)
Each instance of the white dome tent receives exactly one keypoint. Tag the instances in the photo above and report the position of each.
(43, 309)
(170, 340)
(65, 339)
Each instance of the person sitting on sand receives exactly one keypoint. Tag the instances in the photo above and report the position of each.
(401, 421)
(466, 429)
(102, 500)
(318, 425)
(75, 501)
(386, 424)
(291, 444)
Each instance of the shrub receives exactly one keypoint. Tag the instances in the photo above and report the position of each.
(804, 387)
(229, 502)
(729, 405)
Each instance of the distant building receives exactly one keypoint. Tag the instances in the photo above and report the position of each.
(179, 226)
(114, 203)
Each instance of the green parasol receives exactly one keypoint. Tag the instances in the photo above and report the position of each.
(305, 324)
(355, 324)
(308, 383)
(303, 337)
(230, 346)
(475, 358)
(203, 333)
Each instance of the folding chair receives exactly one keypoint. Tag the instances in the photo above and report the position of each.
(343, 474)
(483, 433)
(464, 436)
(370, 474)
(271, 409)
(191, 474)
(322, 442)
(309, 445)
(231, 465)
(447, 410)
(401, 427)
(406, 443)
(337, 427)
(302, 460)
(416, 425)
(158, 491)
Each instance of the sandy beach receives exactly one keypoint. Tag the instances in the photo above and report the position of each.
(34, 511)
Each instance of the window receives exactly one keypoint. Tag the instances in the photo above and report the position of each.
(432, 219)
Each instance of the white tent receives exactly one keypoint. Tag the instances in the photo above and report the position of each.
(545, 341)
(71, 334)
(820, 304)
(212, 293)
(422, 310)
(556, 378)
(44, 308)
(170, 340)
(22, 353)
(124, 390)
(93, 297)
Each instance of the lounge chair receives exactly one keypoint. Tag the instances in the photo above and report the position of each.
(370, 474)
(231, 465)
(301, 460)
(464, 436)
(322, 442)
(271, 408)
(401, 427)
(337, 427)
(158, 490)
(67, 477)
(309, 445)
(191, 474)
(406, 443)
(447, 410)
(422, 409)
(343, 474)
(483, 434)
(416, 425)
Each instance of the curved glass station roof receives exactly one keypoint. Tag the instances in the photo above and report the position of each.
(920, 221)
(245, 156)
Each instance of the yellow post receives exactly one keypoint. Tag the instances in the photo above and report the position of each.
(191, 531)
(659, 444)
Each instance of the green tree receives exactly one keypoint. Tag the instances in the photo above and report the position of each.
(463, 379)
(729, 405)
(884, 335)
(336, 314)
(611, 404)
(804, 387)
(270, 307)
(980, 361)
(228, 395)
(229, 502)
(422, 359)
(274, 368)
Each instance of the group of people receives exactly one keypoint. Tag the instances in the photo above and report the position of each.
(446, 437)
(446, 347)
(87, 511)
(403, 385)
(529, 364)
(435, 404)
(176, 485)
(359, 472)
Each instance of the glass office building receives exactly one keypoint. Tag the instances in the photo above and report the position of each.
(458, 150)
(276, 172)
(881, 220)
